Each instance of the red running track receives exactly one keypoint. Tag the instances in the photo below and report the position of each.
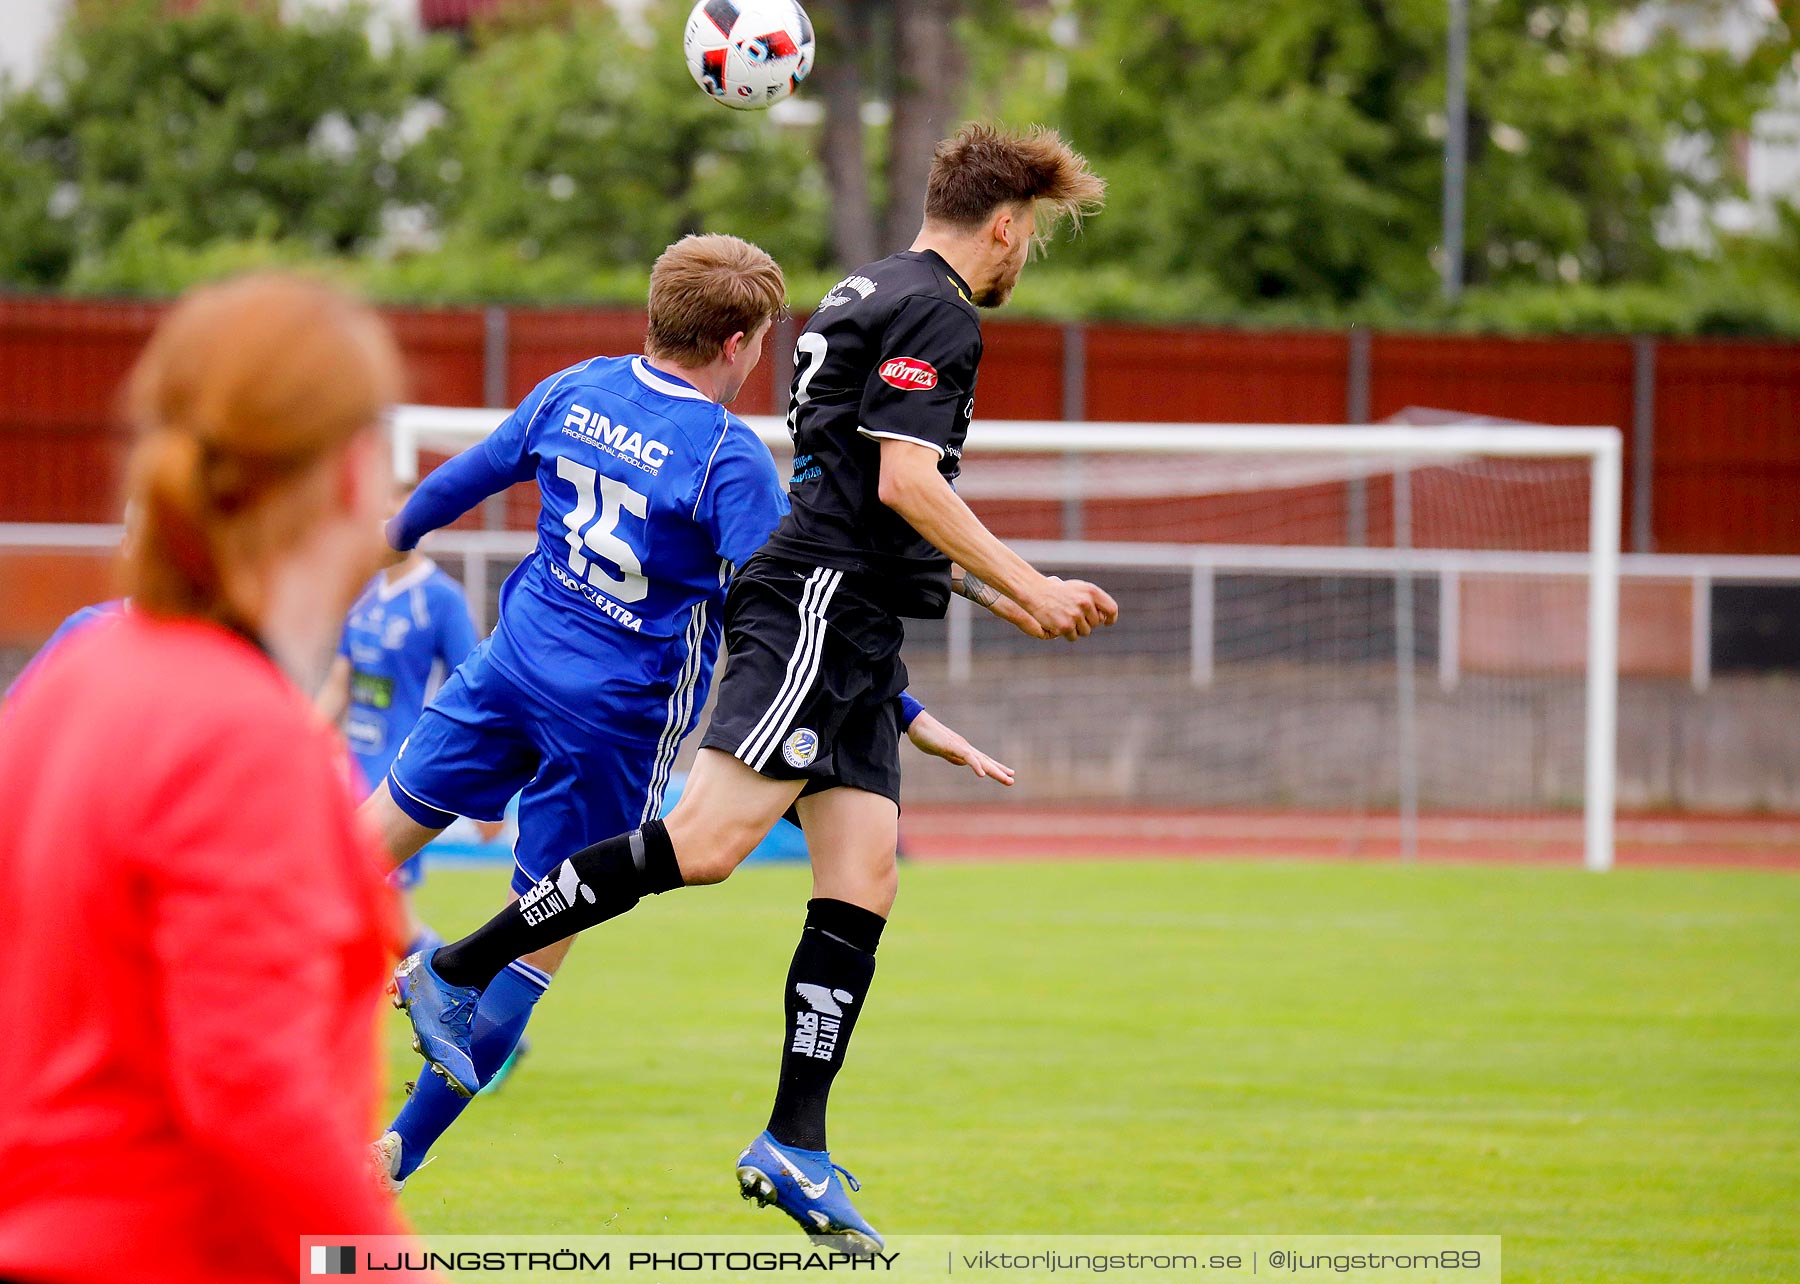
(956, 832)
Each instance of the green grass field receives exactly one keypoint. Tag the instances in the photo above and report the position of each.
(1604, 1070)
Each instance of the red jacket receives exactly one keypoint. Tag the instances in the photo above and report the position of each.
(192, 943)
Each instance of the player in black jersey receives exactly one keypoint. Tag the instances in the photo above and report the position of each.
(808, 711)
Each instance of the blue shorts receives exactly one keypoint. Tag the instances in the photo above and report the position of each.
(485, 738)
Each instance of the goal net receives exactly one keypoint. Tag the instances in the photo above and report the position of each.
(1358, 640)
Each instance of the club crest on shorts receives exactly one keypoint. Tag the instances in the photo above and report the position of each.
(801, 747)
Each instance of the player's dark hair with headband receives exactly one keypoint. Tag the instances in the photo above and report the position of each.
(703, 290)
(981, 168)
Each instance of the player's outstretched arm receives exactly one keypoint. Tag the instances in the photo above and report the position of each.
(451, 490)
(931, 736)
(912, 486)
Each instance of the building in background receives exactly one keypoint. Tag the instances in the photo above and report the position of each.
(1768, 156)
(26, 29)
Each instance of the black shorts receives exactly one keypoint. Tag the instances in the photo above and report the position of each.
(812, 681)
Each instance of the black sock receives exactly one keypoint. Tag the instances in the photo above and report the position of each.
(826, 987)
(593, 885)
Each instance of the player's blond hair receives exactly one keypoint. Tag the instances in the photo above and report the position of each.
(703, 290)
(243, 388)
(982, 168)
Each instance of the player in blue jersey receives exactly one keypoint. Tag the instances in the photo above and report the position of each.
(599, 666)
(595, 670)
(83, 618)
(404, 635)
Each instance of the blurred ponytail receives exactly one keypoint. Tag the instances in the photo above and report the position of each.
(173, 571)
(244, 387)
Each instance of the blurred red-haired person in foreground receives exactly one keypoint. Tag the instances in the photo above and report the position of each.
(180, 837)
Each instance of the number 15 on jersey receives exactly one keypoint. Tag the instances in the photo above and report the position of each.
(600, 541)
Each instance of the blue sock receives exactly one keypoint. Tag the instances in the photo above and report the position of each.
(500, 1018)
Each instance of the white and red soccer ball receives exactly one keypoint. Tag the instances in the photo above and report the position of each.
(749, 54)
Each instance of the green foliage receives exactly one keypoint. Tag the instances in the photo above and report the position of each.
(1294, 151)
(460, 271)
(466, 270)
(1711, 302)
(1257, 146)
(1270, 166)
(1713, 298)
(224, 123)
(578, 141)
(1579, 143)
(147, 260)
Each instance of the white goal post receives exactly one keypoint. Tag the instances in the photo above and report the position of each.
(1354, 451)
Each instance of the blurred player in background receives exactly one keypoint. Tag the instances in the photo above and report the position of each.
(884, 387)
(652, 492)
(405, 634)
(79, 619)
(82, 617)
(181, 838)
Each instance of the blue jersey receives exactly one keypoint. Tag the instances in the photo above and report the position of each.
(651, 494)
(400, 640)
(79, 620)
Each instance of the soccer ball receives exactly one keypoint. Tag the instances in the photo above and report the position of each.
(749, 53)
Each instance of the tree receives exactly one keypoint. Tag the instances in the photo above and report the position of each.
(929, 72)
(1589, 122)
(1292, 152)
(568, 138)
(907, 53)
(219, 122)
(837, 81)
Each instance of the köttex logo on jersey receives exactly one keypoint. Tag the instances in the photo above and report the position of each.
(909, 374)
(616, 439)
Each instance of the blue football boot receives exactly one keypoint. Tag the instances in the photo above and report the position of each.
(805, 1185)
(443, 1017)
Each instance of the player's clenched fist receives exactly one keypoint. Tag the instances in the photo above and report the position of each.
(1072, 609)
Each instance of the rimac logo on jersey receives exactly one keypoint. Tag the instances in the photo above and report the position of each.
(615, 439)
(909, 374)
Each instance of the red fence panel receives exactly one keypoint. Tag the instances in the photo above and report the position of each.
(541, 341)
(1727, 457)
(443, 350)
(1215, 376)
(1021, 371)
(1545, 381)
(62, 368)
(1727, 448)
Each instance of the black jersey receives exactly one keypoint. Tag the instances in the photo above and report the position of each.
(891, 353)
